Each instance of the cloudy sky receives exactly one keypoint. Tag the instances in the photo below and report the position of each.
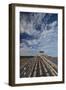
(38, 32)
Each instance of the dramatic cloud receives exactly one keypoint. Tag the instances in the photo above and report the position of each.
(38, 32)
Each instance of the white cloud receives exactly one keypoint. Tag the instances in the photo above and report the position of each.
(29, 27)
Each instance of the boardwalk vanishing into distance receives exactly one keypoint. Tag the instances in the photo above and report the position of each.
(37, 66)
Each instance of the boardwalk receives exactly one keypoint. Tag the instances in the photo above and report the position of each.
(38, 67)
